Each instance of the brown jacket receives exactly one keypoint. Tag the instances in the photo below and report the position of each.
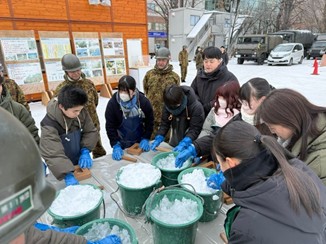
(51, 146)
(36, 236)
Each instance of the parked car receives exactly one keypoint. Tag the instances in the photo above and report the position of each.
(317, 50)
(286, 53)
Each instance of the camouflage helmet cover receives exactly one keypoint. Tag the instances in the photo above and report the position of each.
(24, 193)
(70, 62)
(163, 53)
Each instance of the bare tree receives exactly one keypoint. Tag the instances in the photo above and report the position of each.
(289, 14)
(314, 17)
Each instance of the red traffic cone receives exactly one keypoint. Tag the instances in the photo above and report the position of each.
(315, 72)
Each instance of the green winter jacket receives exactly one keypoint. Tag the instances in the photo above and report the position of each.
(20, 112)
(316, 156)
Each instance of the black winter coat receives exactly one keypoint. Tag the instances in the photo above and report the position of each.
(205, 85)
(188, 123)
(114, 116)
(265, 214)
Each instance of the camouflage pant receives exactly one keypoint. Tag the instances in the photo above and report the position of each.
(98, 150)
(183, 73)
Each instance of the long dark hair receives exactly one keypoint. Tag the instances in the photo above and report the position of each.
(241, 140)
(292, 110)
(256, 87)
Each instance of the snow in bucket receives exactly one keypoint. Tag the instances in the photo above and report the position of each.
(165, 161)
(138, 175)
(81, 199)
(198, 180)
(169, 162)
(194, 179)
(101, 230)
(176, 212)
(136, 182)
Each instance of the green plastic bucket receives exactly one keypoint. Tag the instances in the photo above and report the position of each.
(169, 176)
(133, 199)
(121, 224)
(164, 233)
(78, 220)
(212, 201)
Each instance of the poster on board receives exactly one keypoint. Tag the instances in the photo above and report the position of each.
(55, 48)
(115, 66)
(89, 47)
(92, 67)
(54, 71)
(19, 49)
(25, 73)
(112, 46)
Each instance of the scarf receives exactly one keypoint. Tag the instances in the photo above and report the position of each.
(130, 108)
(251, 171)
(179, 109)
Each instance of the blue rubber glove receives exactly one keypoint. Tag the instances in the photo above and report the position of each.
(44, 227)
(110, 239)
(215, 180)
(85, 160)
(184, 143)
(190, 151)
(144, 145)
(117, 152)
(157, 141)
(70, 179)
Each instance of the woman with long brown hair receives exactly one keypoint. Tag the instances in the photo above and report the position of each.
(278, 199)
(300, 126)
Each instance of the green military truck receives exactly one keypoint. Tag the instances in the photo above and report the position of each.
(255, 47)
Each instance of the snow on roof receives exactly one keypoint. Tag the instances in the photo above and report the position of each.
(200, 24)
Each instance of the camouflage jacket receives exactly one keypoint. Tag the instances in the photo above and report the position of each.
(183, 58)
(89, 87)
(16, 92)
(155, 81)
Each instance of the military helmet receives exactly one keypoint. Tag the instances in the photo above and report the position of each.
(163, 53)
(70, 62)
(24, 193)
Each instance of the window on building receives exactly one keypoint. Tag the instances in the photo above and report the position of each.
(194, 19)
(151, 6)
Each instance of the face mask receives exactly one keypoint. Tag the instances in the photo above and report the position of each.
(247, 117)
(222, 103)
(124, 97)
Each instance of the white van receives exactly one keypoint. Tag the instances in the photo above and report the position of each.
(286, 53)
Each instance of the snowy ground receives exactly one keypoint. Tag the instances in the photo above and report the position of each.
(297, 77)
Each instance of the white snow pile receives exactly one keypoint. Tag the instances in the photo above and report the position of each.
(175, 212)
(139, 175)
(169, 162)
(99, 231)
(197, 179)
(76, 200)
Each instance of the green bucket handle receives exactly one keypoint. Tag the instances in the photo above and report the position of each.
(219, 208)
(155, 187)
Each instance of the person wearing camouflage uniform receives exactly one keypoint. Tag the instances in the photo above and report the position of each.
(72, 67)
(183, 62)
(14, 89)
(155, 82)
